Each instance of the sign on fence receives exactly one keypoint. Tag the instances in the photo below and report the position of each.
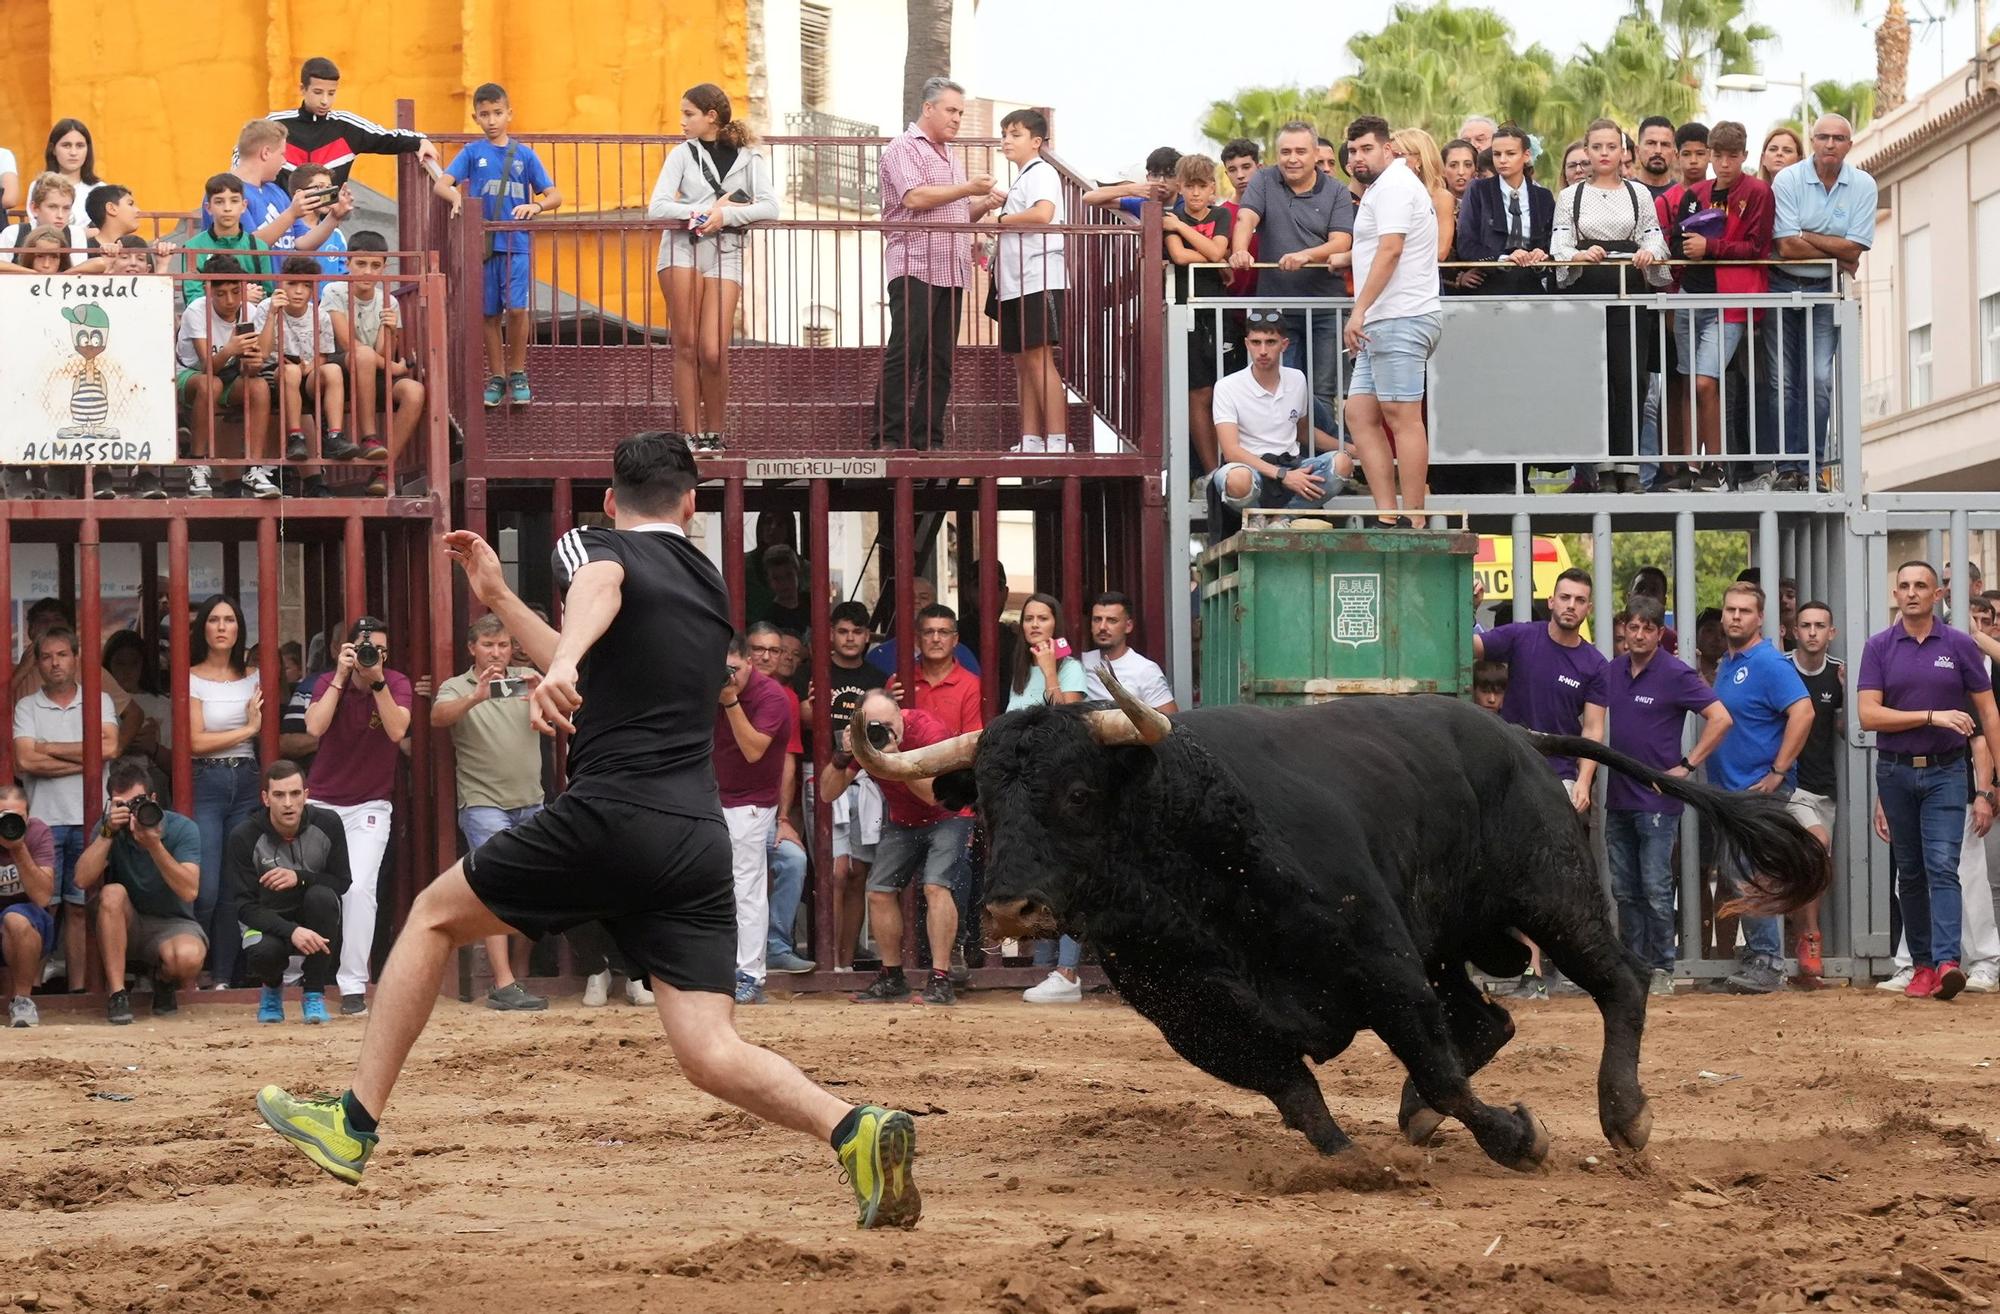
(86, 370)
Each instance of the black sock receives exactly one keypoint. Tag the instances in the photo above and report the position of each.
(845, 1127)
(358, 1117)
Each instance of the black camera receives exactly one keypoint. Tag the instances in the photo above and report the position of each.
(147, 813)
(13, 827)
(510, 687)
(880, 735)
(367, 653)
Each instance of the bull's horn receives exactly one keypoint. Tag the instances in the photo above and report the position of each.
(1148, 724)
(916, 764)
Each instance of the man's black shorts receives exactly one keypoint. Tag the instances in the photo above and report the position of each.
(659, 882)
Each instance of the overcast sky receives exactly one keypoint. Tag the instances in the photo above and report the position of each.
(1125, 78)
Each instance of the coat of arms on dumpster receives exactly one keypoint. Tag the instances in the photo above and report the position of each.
(1357, 609)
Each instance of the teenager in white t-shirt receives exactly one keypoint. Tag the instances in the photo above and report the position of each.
(1263, 418)
(1029, 279)
(1394, 326)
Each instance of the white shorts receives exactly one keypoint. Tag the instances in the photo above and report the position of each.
(1810, 809)
(720, 256)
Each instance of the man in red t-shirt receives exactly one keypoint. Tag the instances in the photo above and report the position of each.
(945, 689)
(753, 725)
(916, 834)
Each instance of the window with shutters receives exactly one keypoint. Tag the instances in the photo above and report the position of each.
(1916, 280)
(1986, 266)
(814, 22)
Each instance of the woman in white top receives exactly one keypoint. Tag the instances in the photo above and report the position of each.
(225, 713)
(1608, 215)
(72, 154)
(1044, 672)
(1029, 279)
(712, 186)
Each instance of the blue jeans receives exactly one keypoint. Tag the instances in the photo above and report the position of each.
(1324, 374)
(69, 848)
(1925, 808)
(225, 796)
(1641, 848)
(787, 862)
(1065, 953)
(480, 823)
(1804, 379)
(1762, 935)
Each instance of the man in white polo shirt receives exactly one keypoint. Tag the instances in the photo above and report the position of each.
(1110, 635)
(1396, 320)
(1263, 417)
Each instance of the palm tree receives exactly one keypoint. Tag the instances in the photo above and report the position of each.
(926, 51)
(1892, 52)
(1433, 65)
(1853, 101)
(1708, 37)
(1632, 75)
(1258, 113)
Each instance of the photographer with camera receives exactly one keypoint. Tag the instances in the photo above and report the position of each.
(499, 766)
(27, 888)
(148, 862)
(753, 725)
(916, 833)
(287, 868)
(360, 711)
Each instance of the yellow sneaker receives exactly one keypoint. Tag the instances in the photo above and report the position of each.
(877, 1160)
(319, 1128)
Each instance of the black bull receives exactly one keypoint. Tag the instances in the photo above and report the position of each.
(1263, 883)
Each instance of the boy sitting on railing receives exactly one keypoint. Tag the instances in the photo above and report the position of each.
(366, 324)
(298, 330)
(511, 183)
(220, 357)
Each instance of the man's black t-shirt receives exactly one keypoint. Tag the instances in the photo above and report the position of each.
(649, 686)
(1828, 691)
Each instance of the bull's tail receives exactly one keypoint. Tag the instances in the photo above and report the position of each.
(1788, 867)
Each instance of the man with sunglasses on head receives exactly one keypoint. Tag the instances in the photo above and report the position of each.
(148, 862)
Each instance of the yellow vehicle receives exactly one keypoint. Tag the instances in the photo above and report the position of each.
(1494, 566)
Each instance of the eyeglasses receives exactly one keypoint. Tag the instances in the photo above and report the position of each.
(1831, 137)
(935, 633)
(767, 650)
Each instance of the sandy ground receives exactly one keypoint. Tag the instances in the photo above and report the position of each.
(1834, 1151)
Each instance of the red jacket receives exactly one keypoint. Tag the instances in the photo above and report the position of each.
(1746, 233)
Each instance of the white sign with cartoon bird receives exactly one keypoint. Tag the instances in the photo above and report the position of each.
(86, 370)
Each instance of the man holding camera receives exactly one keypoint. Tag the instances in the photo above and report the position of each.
(499, 767)
(148, 861)
(360, 711)
(916, 833)
(289, 869)
(48, 753)
(27, 888)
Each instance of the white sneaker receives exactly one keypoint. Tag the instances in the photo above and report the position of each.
(198, 485)
(597, 989)
(1029, 445)
(1899, 982)
(259, 482)
(1058, 443)
(1984, 978)
(637, 993)
(1057, 989)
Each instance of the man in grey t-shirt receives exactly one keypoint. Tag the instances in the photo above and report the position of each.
(1305, 223)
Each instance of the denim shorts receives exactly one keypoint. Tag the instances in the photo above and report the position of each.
(1271, 493)
(938, 850)
(1706, 341)
(1393, 361)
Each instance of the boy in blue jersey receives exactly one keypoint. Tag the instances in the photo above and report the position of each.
(511, 183)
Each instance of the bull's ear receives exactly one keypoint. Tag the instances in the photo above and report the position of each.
(956, 789)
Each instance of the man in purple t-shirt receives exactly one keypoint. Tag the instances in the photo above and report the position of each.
(1650, 693)
(753, 724)
(1555, 681)
(1922, 684)
(360, 710)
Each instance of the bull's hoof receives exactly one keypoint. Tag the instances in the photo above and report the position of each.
(1632, 1137)
(1422, 1126)
(1538, 1145)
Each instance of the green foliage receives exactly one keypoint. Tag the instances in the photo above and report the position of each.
(1434, 64)
(1719, 554)
(1853, 101)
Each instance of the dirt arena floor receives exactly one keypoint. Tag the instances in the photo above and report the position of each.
(1835, 1151)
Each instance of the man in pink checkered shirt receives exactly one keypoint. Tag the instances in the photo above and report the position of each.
(922, 181)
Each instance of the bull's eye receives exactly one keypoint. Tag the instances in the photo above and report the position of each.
(1078, 798)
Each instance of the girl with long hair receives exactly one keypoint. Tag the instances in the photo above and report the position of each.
(73, 154)
(1045, 673)
(1782, 149)
(225, 714)
(1419, 150)
(712, 186)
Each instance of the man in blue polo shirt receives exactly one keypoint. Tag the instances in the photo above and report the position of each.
(1922, 685)
(1650, 693)
(1773, 716)
(1555, 681)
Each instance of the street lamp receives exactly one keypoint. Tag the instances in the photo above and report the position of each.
(1755, 82)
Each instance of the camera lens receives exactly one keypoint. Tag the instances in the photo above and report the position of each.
(879, 735)
(368, 654)
(13, 826)
(148, 813)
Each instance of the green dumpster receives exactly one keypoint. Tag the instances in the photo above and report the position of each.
(1314, 611)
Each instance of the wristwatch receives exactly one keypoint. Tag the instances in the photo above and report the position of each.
(1987, 794)
(1684, 764)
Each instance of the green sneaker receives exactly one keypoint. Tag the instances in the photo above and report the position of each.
(319, 1128)
(877, 1160)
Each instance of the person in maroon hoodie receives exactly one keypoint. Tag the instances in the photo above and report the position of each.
(1712, 222)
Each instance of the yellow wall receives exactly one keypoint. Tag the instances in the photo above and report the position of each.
(166, 86)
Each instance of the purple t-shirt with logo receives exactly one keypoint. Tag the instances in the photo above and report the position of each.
(1547, 683)
(356, 762)
(744, 784)
(1936, 675)
(1648, 716)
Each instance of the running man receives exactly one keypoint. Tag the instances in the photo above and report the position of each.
(637, 842)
